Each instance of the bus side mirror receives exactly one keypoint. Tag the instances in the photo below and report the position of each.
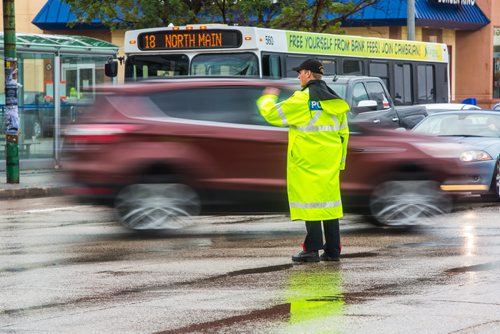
(111, 68)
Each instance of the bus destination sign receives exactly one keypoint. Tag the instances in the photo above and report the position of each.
(189, 39)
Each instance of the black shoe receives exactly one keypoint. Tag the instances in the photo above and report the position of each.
(306, 257)
(326, 257)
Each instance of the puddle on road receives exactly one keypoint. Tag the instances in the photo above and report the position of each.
(259, 270)
(474, 268)
(281, 267)
(311, 295)
(277, 312)
(359, 255)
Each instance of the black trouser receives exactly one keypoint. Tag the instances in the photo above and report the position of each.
(314, 237)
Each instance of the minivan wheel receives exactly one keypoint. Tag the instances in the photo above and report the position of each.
(406, 203)
(157, 206)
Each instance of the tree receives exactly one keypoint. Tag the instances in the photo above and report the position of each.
(305, 15)
(317, 15)
(134, 14)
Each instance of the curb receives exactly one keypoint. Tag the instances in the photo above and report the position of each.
(34, 192)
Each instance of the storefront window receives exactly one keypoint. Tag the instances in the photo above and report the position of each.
(496, 63)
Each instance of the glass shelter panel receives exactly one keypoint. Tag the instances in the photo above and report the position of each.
(79, 76)
(35, 105)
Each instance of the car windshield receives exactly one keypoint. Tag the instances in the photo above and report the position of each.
(339, 88)
(474, 124)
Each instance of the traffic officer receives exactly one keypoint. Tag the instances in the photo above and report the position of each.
(317, 147)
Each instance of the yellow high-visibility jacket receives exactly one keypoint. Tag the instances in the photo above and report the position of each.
(317, 148)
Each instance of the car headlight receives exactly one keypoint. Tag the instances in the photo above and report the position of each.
(441, 149)
(475, 155)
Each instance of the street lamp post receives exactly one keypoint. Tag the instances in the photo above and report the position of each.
(11, 114)
(411, 20)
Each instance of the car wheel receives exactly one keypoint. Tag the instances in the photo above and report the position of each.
(496, 180)
(406, 203)
(157, 206)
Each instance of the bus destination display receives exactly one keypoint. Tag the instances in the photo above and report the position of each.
(189, 39)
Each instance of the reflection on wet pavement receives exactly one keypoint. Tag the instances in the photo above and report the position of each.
(314, 292)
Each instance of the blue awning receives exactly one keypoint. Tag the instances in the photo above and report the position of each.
(56, 14)
(427, 14)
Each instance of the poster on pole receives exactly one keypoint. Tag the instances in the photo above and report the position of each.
(11, 117)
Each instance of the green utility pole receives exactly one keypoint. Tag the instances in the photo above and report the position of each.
(11, 114)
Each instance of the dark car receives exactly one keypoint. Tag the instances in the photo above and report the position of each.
(166, 150)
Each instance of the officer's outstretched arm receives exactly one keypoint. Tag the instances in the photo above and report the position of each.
(270, 109)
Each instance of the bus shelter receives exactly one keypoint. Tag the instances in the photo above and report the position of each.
(56, 78)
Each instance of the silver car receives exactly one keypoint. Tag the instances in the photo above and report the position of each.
(479, 133)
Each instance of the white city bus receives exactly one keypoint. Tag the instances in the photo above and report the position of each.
(415, 72)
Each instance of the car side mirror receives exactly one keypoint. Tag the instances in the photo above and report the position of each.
(111, 68)
(365, 105)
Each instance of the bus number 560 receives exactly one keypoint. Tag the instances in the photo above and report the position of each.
(269, 40)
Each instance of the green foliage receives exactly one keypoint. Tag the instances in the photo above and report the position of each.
(303, 15)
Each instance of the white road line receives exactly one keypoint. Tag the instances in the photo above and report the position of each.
(63, 208)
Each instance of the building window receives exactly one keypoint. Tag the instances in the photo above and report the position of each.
(432, 35)
(395, 32)
(496, 74)
(426, 84)
(496, 63)
(403, 84)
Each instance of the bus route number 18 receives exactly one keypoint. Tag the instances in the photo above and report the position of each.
(269, 40)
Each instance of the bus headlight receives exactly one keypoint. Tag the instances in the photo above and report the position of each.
(475, 155)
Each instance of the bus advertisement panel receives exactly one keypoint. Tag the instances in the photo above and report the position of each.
(235, 51)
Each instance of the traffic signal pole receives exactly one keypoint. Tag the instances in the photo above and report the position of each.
(11, 115)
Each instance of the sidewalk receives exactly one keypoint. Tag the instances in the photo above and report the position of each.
(33, 183)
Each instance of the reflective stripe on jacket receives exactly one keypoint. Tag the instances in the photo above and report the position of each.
(317, 148)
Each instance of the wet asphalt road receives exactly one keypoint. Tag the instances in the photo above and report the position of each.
(69, 268)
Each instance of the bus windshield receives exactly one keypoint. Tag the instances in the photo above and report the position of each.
(141, 67)
(226, 64)
(155, 66)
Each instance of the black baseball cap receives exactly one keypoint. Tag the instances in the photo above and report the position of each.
(312, 65)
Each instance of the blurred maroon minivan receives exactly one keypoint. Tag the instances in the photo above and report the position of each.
(162, 152)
